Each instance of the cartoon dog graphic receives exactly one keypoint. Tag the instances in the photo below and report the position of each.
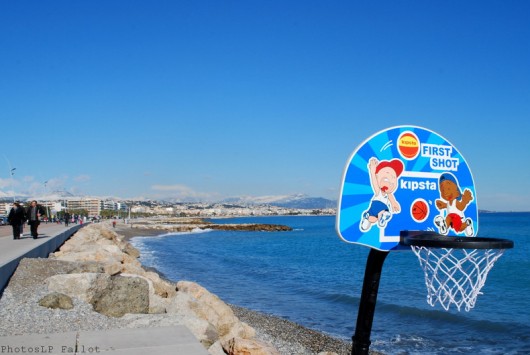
(384, 180)
(454, 202)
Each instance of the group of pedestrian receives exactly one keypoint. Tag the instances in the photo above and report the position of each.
(18, 215)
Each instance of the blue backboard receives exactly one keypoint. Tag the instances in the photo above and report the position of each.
(405, 178)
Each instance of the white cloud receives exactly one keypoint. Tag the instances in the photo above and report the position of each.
(5, 183)
(55, 184)
(82, 178)
(35, 187)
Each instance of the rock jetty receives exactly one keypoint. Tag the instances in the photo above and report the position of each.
(186, 224)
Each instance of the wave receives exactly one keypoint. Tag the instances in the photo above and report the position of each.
(458, 320)
(340, 298)
(170, 234)
(463, 320)
(418, 330)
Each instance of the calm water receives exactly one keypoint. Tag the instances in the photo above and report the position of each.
(312, 278)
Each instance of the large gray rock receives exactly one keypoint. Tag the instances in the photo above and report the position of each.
(109, 295)
(57, 300)
(207, 306)
(164, 289)
(123, 295)
(130, 250)
(110, 256)
(203, 330)
(87, 266)
(97, 244)
(83, 286)
(157, 304)
(238, 346)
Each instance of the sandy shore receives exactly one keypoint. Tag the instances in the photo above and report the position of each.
(128, 232)
(283, 334)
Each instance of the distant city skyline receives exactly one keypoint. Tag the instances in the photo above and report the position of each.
(210, 100)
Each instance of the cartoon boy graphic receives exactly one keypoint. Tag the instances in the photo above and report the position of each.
(384, 180)
(454, 202)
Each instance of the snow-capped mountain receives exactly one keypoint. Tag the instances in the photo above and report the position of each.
(288, 201)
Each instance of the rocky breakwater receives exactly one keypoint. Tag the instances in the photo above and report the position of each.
(97, 267)
(186, 224)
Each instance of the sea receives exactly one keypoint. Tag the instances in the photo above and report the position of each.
(311, 277)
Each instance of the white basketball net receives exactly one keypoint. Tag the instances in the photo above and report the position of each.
(455, 276)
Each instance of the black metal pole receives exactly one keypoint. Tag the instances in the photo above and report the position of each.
(365, 317)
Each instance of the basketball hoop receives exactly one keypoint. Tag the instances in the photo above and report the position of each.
(420, 182)
(455, 268)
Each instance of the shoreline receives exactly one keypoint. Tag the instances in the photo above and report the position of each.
(281, 333)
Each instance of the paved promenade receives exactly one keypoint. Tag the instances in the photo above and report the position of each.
(51, 237)
(139, 341)
(176, 340)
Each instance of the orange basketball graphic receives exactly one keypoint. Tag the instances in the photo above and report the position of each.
(419, 210)
(408, 145)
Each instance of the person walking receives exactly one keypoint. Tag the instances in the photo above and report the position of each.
(16, 217)
(33, 214)
(66, 219)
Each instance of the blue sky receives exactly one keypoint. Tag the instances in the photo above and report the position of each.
(210, 99)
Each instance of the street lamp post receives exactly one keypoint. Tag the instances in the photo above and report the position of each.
(45, 192)
(12, 174)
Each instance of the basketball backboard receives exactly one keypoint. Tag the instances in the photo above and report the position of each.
(405, 178)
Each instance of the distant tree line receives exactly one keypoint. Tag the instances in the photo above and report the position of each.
(78, 211)
(107, 214)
